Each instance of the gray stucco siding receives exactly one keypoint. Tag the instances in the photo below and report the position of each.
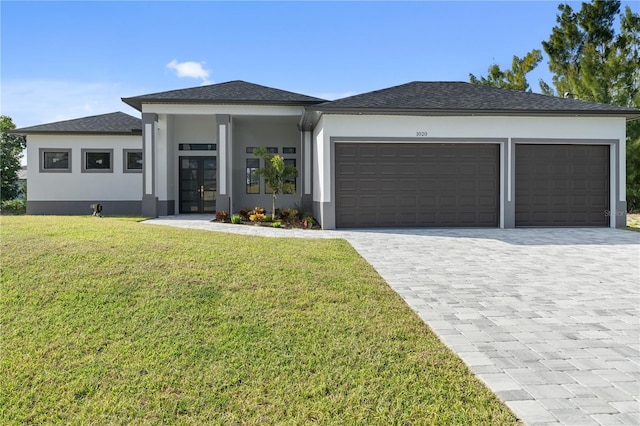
(73, 208)
(250, 132)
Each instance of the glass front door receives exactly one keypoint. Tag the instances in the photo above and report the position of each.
(198, 186)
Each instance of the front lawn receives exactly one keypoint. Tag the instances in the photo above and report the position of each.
(106, 321)
(633, 221)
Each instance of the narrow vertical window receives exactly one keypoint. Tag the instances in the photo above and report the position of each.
(253, 180)
(291, 187)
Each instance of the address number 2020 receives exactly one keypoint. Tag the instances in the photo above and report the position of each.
(422, 134)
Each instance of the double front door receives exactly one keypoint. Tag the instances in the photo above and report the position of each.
(198, 186)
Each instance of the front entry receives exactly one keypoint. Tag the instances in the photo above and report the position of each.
(198, 186)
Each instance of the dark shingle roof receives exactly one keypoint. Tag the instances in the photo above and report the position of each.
(460, 97)
(232, 92)
(115, 123)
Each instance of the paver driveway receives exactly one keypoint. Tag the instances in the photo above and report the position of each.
(549, 319)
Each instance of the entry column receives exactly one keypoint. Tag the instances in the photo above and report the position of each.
(149, 141)
(223, 199)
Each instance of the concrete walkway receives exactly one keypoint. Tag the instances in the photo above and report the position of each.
(549, 319)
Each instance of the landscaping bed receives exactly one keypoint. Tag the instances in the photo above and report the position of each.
(286, 219)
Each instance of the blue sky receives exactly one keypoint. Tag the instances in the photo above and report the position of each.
(62, 60)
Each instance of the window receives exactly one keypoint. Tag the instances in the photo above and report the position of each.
(197, 147)
(291, 180)
(270, 149)
(55, 160)
(253, 180)
(132, 161)
(97, 160)
(291, 150)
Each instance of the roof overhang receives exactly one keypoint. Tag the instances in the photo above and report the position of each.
(138, 102)
(313, 113)
(133, 132)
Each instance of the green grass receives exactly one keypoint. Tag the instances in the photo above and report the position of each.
(108, 321)
(633, 222)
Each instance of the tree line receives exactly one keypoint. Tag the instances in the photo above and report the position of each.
(591, 61)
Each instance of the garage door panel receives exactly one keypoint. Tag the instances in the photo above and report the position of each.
(421, 184)
(407, 201)
(387, 201)
(409, 169)
(368, 169)
(368, 201)
(387, 184)
(348, 185)
(467, 201)
(348, 201)
(346, 169)
(487, 202)
(346, 151)
(409, 151)
(365, 152)
(467, 169)
(368, 185)
(561, 185)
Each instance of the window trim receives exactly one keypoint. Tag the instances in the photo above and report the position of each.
(197, 147)
(84, 152)
(125, 161)
(43, 169)
(247, 176)
(293, 180)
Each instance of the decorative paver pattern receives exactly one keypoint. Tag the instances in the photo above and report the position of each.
(549, 319)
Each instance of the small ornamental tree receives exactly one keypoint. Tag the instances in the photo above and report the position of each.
(276, 174)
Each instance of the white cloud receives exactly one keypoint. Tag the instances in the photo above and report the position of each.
(190, 69)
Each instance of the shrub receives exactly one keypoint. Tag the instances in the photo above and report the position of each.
(258, 210)
(276, 224)
(222, 216)
(15, 206)
(244, 214)
(268, 218)
(308, 222)
(257, 217)
(289, 215)
(236, 219)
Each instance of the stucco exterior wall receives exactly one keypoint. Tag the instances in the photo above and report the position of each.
(78, 186)
(506, 131)
(280, 132)
(179, 124)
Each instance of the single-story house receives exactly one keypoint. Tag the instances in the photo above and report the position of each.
(421, 154)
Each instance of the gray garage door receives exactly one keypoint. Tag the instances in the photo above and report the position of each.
(401, 184)
(562, 185)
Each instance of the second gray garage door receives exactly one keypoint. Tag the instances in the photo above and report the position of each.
(427, 185)
(562, 185)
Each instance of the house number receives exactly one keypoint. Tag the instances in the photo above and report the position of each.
(421, 134)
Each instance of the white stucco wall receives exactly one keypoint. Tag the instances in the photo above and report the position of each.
(415, 127)
(474, 126)
(78, 186)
